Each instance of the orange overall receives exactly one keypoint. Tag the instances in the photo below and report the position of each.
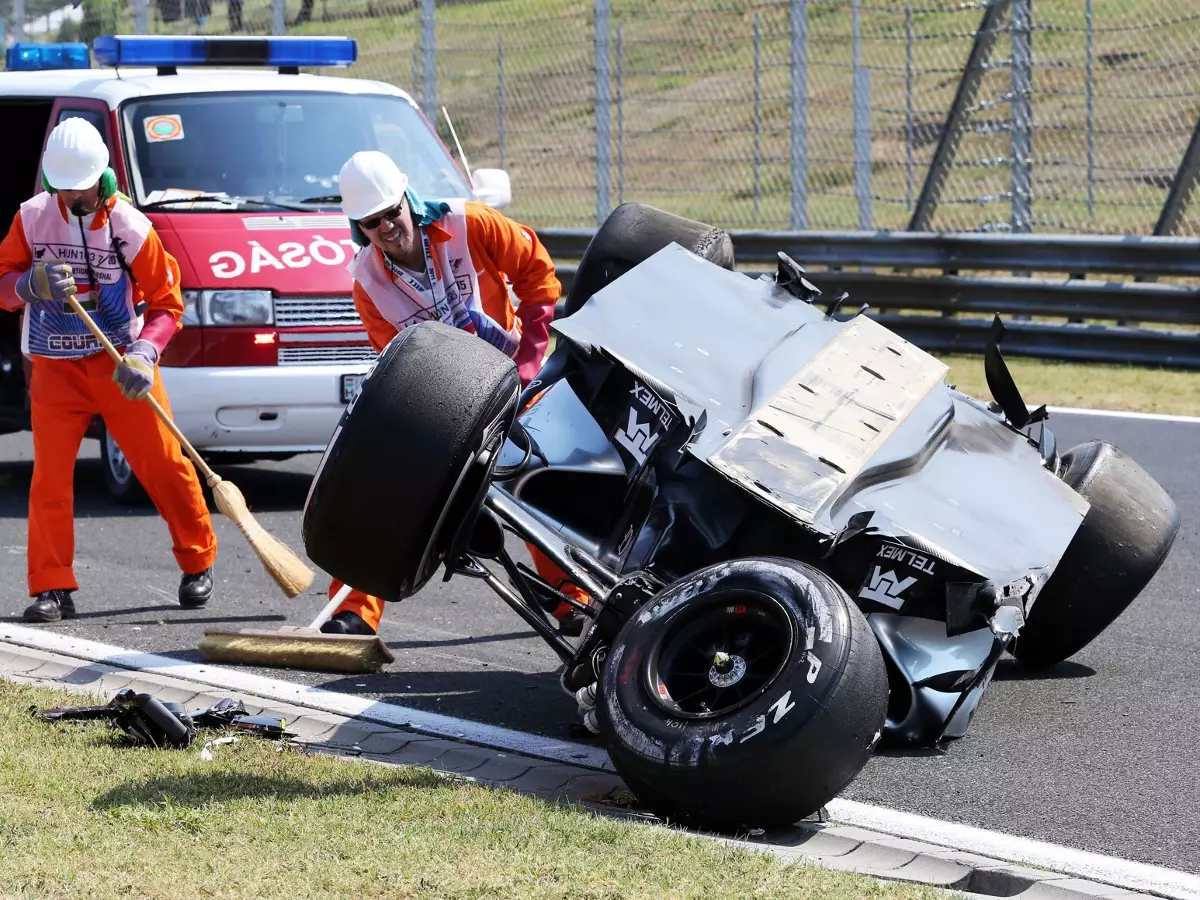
(498, 247)
(66, 393)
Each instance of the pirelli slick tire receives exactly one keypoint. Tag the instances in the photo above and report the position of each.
(1120, 545)
(632, 233)
(407, 469)
(746, 695)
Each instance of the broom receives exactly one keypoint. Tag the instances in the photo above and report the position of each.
(300, 648)
(288, 570)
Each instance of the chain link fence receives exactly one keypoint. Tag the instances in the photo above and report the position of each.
(1005, 115)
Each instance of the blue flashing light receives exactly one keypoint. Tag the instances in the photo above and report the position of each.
(289, 52)
(31, 56)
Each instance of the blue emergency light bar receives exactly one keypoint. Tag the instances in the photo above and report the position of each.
(168, 51)
(30, 56)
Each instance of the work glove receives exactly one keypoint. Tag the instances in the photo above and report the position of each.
(135, 375)
(51, 280)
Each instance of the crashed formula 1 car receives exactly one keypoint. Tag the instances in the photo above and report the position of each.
(797, 539)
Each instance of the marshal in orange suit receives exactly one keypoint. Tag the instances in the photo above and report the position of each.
(80, 237)
(452, 261)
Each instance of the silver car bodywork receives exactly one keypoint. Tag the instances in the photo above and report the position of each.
(840, 426)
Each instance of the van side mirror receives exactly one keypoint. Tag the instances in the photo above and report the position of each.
(492, 186)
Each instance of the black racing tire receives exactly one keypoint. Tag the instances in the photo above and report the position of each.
(407, 469)
(802, 732)
(632, 233)
(1120, 545)
(123, 486)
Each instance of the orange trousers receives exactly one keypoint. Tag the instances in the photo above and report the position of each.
(64, 396)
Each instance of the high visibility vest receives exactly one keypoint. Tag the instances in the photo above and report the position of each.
(453, 292)
(104, 286)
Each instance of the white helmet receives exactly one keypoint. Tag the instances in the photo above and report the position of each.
(75, 157)
(370, 182)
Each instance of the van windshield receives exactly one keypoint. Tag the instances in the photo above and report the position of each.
(280, 149)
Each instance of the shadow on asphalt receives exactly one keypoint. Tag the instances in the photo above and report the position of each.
(1009, 669)
(265, 490)
(524, 702)
(461, 642)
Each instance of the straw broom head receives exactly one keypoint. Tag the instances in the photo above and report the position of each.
(288, 570)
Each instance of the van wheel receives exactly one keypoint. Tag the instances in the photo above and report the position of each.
(407, 470)
(631, 234)
(123, 486)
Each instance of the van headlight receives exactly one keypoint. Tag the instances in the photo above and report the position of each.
(214, 308)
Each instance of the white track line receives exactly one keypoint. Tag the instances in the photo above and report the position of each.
(338, 704)
(1122, 414)
(1009, 848)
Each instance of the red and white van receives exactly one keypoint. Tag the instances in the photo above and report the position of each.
(234, 156)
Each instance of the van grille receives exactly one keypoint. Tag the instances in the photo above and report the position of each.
(308, 312)
(308, 356)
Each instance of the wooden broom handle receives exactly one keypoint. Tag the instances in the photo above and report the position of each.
(209, 475)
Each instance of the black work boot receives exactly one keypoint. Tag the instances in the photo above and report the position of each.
(51, 606)
(347, 622)
(196, 590)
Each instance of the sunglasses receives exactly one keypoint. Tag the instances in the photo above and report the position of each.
(376, 220)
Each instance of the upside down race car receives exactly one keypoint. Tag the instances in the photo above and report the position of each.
(796, 538)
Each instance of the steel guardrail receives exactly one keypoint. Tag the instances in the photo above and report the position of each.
(908, 278)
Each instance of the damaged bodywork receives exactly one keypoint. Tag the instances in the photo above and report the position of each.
(796, 540)
(938, 516)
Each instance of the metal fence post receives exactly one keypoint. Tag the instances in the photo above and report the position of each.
(278, 16)
(500, 93)
(603, 112)
(620, 119)
(799, 120)
(909, 136)
(1022, 116)
(956, 119)
(757, 115)
(1091, 111)
(141, 17)
(1181, 188)
(429, 55)
(862, 123)
(862, 145)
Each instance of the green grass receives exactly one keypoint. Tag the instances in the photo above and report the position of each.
(1089, 385)
(688, 110)
(85, 817)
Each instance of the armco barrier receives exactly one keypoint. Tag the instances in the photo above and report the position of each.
(1061, 296)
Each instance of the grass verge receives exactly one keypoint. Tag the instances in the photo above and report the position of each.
(84, 816)
(1089, 385)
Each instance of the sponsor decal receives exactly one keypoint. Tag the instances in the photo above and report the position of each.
(883, 585)
(649, 419)
(886, 588)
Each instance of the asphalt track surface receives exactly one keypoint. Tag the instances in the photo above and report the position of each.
(1099, 754)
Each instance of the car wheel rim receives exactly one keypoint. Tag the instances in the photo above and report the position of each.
(470, 485)
(118, 465)
(718, 655)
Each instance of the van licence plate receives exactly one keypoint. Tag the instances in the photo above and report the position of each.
(350, 386)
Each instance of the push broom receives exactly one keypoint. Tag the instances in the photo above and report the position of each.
(294, 647)
(284, 566)
(290, 646)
